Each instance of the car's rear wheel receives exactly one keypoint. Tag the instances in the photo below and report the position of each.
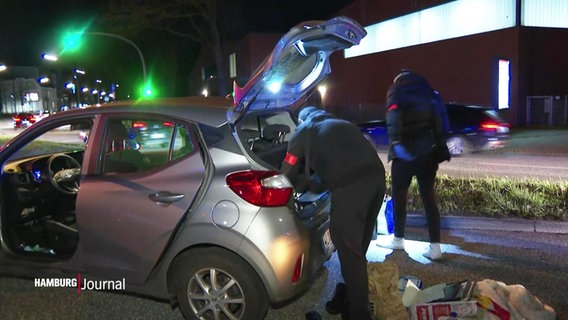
(458, 145)
(213, 283)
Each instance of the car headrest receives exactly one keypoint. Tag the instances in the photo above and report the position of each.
(273, 131)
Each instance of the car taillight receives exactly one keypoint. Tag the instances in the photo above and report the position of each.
(261, 188)
(492, 125)
(139, 125)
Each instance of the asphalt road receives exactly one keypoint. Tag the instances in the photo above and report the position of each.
(511, 165)
(536, 260)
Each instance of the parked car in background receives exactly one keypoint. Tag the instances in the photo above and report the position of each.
(42, 115)
(472, 129)
(376, 132)
(23, 120)
(203, 217)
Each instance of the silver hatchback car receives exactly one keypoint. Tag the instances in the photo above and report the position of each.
(178, 199)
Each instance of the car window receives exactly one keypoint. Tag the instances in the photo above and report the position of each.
(70, 137)
(493, 115)
(183, 144)
(139, 144)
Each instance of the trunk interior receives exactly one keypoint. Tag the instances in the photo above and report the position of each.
(266, 134)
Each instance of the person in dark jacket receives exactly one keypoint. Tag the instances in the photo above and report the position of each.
(348, 165)
(417, 126)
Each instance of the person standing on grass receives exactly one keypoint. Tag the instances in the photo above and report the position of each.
(417, 126)
(348, 165)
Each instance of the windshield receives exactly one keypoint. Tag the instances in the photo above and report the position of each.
(67, 138)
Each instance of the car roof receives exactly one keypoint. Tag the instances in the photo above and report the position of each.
(466, 106)
(211, 111)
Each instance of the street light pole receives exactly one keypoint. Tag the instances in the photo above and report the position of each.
(129, 42)
(77, 86)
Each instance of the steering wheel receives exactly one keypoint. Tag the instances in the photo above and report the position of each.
(63, 172)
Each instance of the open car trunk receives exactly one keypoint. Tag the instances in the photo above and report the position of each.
(290, 73)
(265, 135)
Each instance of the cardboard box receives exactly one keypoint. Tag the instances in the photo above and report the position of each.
(464, 309)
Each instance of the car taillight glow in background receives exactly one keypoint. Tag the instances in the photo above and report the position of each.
(494, 126)
(139, 125)
(261, 188)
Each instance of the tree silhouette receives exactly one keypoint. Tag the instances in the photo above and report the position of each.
(192, 20)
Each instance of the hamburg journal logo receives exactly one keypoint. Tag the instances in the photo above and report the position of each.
(81, 284)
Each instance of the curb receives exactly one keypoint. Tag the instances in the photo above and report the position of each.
(483, 223)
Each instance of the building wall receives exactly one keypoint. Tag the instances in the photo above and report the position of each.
(13, 96)
(250, 52)
(462, 69)
(368, 12)
(544, 55)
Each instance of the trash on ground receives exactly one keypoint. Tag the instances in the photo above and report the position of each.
(384, 296)
(482, 300)
(395, 297)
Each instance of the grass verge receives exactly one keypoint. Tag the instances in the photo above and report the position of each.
(496, 197)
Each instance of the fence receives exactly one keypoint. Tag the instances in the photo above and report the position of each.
(547, 110)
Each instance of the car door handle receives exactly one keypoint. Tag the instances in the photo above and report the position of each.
(166, 196)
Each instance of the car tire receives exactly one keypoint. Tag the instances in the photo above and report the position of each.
(245, 298)
(458, 145)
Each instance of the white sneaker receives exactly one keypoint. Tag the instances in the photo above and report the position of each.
(395, 243)
(434, 252)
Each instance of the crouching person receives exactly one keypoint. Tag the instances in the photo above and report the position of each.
(349, 166)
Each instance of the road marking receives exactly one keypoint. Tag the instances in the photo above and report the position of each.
(520, 165)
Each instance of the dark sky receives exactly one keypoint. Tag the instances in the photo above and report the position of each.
(281, 15)
(29, 28)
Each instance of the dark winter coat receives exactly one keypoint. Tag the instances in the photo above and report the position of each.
(416, 118)
(336, 150)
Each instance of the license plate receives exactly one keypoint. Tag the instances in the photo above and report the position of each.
(327, 244)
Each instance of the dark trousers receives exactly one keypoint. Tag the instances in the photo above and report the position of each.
(354, 210)
(425, 173)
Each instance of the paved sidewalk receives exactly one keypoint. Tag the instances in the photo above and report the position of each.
(484, 223)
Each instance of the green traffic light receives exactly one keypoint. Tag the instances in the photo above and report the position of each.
(147, 91)
(72, 41)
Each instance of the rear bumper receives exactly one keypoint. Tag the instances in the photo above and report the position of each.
(276, 253)
(492, 143)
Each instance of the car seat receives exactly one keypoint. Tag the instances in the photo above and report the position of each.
(272, 146)
(121, 154)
